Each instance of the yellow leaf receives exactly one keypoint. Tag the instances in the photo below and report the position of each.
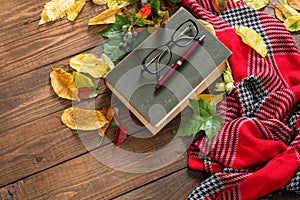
(63, 84)
(109, 114)
(252, 38)
(257, 4)
(80, 119)
(75, 9)
(210, 98)
(294, 4)
(106, 17)
(292, 23)
(55, 9)
(100, 2)
(89, 63)
(283, 11)
(118, 3)
(208, 26)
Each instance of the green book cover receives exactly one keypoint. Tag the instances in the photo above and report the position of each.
(136, 88)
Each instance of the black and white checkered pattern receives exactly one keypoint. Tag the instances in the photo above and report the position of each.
(294, 184)
(252, 94)
(210, 186)
(245, 16)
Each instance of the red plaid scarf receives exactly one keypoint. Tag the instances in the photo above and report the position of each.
(257, 149)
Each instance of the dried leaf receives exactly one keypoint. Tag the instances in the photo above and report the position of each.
(117, 3)
(109, 115)
(75, 9)
(89, 63)
(219, 5)
(294, 4)
(208, 26)
(80, 119)
(283, 11)
(210, 98)
(252, 38)
(55, 9)
(292, 23)
(100, 2)
(106, 17)
(257, 4)
(63, 84)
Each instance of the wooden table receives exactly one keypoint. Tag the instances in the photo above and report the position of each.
(43, 159)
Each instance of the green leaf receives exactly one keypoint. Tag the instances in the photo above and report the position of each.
(116, 28)
(204, 118)
(155, 4)
(112, 50)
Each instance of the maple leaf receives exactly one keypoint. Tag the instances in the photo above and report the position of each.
(283, 11)
(204, 118)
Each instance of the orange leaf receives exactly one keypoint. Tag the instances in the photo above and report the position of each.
(63, 84)
(219, 5)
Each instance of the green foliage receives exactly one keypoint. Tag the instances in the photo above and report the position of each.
(155, 4)
(116, 28)
(204, 118)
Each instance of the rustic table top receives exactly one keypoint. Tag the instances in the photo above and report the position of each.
(40, 158)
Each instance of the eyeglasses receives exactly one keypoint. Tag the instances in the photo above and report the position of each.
(159, 58)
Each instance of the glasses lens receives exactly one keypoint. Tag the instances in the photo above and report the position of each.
(158, 59)
(185, 34)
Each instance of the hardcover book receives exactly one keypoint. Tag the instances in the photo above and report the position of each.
(133, 82)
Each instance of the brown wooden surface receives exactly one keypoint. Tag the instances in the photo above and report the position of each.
(42, 159)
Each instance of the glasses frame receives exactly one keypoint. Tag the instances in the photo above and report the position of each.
(167, 48)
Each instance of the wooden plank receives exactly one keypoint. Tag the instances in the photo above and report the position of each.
(83, 178)
(175, 186)
(26, 46)
(179, 185)
(45, 142)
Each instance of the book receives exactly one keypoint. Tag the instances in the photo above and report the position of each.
(136, 87)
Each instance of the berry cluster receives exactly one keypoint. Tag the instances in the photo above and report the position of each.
(128, 36)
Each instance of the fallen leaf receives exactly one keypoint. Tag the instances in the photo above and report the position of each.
(294, 4)
(257, 4)
(292, 23)
(283, 11)
(81, 119)
(252, 38)
(55, 9)
(208, 26)
(89, 63)
(100, 2)
(106, 17)
(204, 118)
(85, 86)
(117, 3)
(121, 133)
(219, 5)
(210, 98)
(75, 9)
(109, 115)
(63, 84)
